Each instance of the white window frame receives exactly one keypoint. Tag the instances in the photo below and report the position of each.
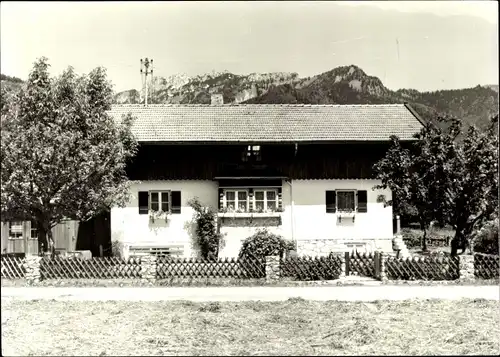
(252, 151)
(236, 202)
(160, 199)
(33, 229)
(265, 191)
(12, 237)
(337, 201)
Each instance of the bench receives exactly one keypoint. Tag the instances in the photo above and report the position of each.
(170, 250)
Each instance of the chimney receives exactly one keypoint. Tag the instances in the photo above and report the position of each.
(217, 99)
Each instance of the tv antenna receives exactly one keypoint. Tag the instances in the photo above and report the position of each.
(145, 64)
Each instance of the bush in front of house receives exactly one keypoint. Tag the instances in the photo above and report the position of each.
(264, 243)
(411, 237)
(485, 240)
(207, 237)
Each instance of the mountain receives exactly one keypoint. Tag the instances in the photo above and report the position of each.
(492, 86)
(341, 85)
(197, 90)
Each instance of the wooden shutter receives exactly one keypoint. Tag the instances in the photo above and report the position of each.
(362, 201)
(176, 202)
(143, 202)
(280, 199)
(331, 202)
(221, 198)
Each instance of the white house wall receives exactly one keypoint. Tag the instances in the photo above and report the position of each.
(315, 231)
(318, 231)
(129, 227)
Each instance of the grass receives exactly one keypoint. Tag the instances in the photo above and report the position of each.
(293, 327)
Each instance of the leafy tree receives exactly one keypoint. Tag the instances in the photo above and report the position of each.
(62, 155)
(407, 178)
(471, 197)
(447, 175)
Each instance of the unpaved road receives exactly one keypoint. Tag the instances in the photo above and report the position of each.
(338, 293)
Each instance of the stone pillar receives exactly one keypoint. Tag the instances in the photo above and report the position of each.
(466, 266)
(32, 265)
(383, 272)
(272, 268)
(148, 268)
(398, 225)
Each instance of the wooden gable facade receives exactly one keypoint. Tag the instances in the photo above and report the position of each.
(209, 161)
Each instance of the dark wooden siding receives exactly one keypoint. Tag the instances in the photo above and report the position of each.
(205, 162)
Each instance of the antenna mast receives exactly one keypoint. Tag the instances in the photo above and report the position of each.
(145, 64)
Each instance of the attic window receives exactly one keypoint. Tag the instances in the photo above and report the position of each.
(251, 153)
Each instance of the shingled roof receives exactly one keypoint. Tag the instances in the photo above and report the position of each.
(269, 122)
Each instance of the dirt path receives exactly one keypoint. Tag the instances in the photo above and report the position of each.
(341, 293)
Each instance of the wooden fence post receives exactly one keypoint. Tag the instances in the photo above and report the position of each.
(347, 263)
(376, 261)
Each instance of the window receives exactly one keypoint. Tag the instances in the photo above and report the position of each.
(34, 230)
(252, 153)
(159, 201)
(16, 230)
(265, 200)
(167, 201)
(346, 200)
(236, 200)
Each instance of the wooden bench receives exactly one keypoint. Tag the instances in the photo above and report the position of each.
(170, 250)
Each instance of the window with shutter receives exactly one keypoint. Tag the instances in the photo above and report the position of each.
(362, 201)
(331, 205)
(176, 202)
(143, 202)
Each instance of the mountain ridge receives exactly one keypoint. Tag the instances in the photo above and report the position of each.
(341, 85)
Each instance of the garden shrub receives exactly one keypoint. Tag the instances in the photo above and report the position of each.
(264, 243)
(411, 237)
(207, 237)
(485, 240)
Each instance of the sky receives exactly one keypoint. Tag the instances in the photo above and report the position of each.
(425, 45)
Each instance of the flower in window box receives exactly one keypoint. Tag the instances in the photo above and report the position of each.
(153, 215)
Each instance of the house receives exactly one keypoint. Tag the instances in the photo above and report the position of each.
(22, 236)
(303, 171)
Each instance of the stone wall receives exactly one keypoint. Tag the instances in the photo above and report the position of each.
(323, 247)
(272, 268)
(32, 265)
(466, 266)
(148, 268)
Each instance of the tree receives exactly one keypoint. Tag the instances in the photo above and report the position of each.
(471, 196)
(446, 175)
(407, 177)
(62, 155)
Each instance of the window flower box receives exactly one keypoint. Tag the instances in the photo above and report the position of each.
(158, 215)
(235, 214)
(346, 214)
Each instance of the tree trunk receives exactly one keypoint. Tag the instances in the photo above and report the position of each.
(424, 237)
(457, 242)
(50, 241)
(42, 240)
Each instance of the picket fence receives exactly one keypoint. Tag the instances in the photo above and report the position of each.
(379, 266)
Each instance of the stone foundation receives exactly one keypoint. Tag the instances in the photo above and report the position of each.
(323, 247)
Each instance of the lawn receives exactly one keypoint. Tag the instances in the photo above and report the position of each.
(293, 327)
